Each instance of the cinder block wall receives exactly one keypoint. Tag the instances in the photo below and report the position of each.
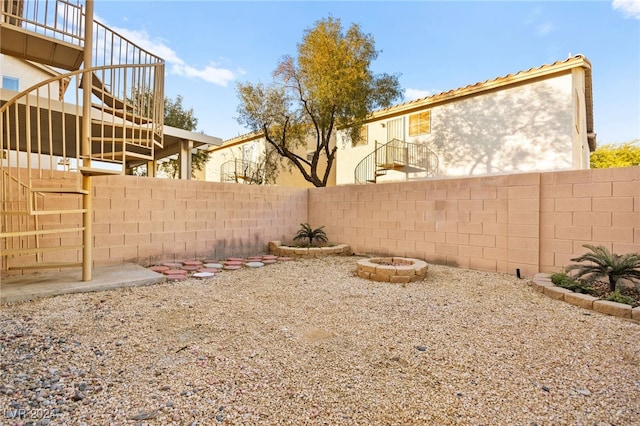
(144, 220)
(599, 206)
(534, 222)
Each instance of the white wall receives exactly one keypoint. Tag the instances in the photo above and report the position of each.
(217, 158)
(519, 129)
(27, 74)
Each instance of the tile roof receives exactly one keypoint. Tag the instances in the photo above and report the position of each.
(509, 79)
(476, 88)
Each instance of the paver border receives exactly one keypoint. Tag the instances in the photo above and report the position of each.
(541, 282)
(276, 248)
(400, 270)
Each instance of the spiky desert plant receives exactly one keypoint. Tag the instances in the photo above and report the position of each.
(603, 263)
(307, 233)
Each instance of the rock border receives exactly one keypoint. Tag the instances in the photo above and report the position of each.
(400, 270)
(542, 284)
(276, 248)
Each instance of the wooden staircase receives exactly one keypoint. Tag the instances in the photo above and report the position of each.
(396, 156)
(50, 149)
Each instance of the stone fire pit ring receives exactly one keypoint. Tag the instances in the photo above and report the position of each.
(392, 269)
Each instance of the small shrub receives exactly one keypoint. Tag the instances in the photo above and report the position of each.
(561, 279)
(307, 233)
(564, 280)
(603, 263)
(616, 296)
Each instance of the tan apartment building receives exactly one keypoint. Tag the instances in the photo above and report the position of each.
(242, 160)
(540, 119)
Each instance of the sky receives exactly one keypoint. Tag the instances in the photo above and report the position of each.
(434, 46)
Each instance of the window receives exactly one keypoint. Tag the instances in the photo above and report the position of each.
(420, 123)
(11, 83)
(363, 137)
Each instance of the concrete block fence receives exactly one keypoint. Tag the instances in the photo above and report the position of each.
(532, 222)
(146, 220)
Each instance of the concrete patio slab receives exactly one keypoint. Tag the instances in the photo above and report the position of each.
(29, 287)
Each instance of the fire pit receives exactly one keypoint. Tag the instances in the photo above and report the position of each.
(392, 269)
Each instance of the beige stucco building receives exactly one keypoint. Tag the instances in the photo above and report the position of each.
(536, 120)
(20, 74)
(540, 119)
(241, 160)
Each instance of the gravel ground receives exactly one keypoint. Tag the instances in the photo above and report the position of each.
(308, 342)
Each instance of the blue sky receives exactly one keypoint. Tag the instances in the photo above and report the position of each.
(434, 46)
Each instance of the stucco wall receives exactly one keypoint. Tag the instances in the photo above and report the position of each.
(218, 158)
(287, 176)
(27, 74)
(519, 129)
(534, 222)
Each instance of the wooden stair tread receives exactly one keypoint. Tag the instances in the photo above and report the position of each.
(123, 125)
(120, 113)
(119, 155)
(109, 140)
(102, 93)
(106, 132)
(392, 166)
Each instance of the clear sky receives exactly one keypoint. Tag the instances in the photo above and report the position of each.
(434, 46)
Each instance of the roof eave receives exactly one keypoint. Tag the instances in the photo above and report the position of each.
(544, 71)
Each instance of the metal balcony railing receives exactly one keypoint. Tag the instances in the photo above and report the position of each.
(59, 19)
(240, 171)
(396, 155)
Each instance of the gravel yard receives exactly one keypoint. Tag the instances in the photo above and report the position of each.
(308, 342)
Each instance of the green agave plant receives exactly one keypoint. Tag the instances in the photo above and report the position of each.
(603, 263)
(307, 233)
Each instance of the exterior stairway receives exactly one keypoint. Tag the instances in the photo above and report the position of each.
(240, 171)
(92, 120)
(399, 156)
(34, 31)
